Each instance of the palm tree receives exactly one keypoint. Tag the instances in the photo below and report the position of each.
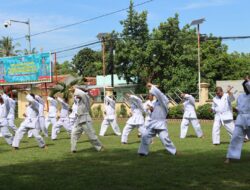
(8, 49)
(64, 88)
(27, 52)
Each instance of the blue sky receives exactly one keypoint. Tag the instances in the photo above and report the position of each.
(223, 18)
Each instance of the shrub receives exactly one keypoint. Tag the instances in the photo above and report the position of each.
(123, 111)
(204, 112)
(97, 112)
(175, 112)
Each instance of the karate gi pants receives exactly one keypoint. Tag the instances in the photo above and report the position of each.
(229, 125)
(235, 147)
(5, 132)
(196, 125)
(42, 127)
(89, 131)
(62, 122)
(22, 130)
(105, 125)
(164, 137)
(50, 120)
(128, 128)
(11, 124)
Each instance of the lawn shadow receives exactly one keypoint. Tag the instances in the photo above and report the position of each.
(124, 169)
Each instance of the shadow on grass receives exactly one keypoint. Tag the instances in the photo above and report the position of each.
(124, 169)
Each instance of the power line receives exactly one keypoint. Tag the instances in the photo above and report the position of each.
(87, 20)
(77, 47)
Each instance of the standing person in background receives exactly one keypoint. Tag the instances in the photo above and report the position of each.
(41, 118)
(109, 117)
(63, 121)
(83, 121)
(157, 124)
(242, 123)
(148, 107)
(11, 115)
(189, 117)
(73, 113)
(222, 107)
(136, 120)
(52, 114)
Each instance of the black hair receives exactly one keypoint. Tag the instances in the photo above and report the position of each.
(245, 88)
(33, 95)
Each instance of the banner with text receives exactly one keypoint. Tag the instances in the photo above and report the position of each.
(27, 69)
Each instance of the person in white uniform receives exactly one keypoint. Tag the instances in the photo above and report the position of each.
(222, 107)
(52, 114)
(73, 112)
(11, 115)
(30, 123)
(157, 124)
(189, 116)
(41, 118)
(63, 121)
(136, 120)
(83, 121)
(148, 108)
(109, 117)
(242, 124)
(4, 111)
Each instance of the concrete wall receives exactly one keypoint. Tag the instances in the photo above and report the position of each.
(237, 84)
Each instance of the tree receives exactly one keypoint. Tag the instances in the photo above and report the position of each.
(87, 63)
(8, 48)
(132, 44)
(64, 68)
(27, 52)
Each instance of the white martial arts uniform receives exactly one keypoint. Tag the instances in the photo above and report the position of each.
(190, 116)
(4, 111)
(222, 108)
(157, 125)
(147, 111)
(109, 117)
(51, 119)
(63, 120)
(72, 115)
(136, 120)
(41, 118)
(242, 127)
(11, 115)
(30, 123)
(84, 122)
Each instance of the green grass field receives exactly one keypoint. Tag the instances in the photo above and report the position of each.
(199, 165)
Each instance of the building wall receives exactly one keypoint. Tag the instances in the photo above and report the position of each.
(237, 84)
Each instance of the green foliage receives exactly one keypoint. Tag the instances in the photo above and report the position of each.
(204, 112)
(175, 112)
(65, 68)
(8, 48)
(123, 111)
(167, 56)
(97, 111)
(87, 63)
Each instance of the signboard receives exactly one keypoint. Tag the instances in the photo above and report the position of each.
(27, 69)
(95, 92)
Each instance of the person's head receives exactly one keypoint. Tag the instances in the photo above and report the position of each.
(150, 97)
(33, 95)
(219, 91)
(182, 95)
(246, 87)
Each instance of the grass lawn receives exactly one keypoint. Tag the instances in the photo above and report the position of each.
(200, 165)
